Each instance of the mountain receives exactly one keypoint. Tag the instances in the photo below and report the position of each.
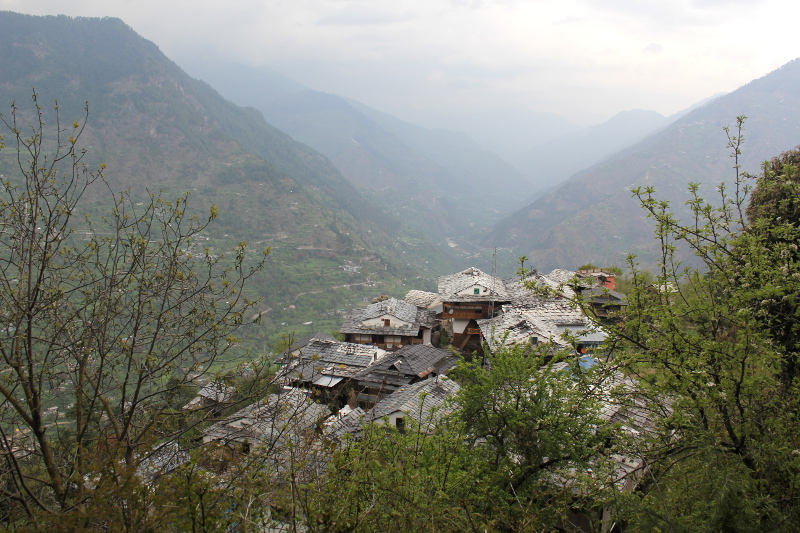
(506, 132)
(556, 160)
(432, 179)
(475, 169)
(155, 128)
(592, 218)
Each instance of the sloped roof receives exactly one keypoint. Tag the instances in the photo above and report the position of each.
(346, 421)
(161, 460)
(217, 391)
(330, 358)
(560, 275)
(397, 308)
(555, 281)
(518, 324)
(603, 295)
(451, 285)
(272, 418)
(515, 327)
(422, 401)
(416, 360)
(422, 299)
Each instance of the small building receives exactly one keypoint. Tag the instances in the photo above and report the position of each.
(424, 402)
(389, 324)
(604, 302)
(348, 421)
(424, 300)
(399, 369)
(327, 367)
(469, 296)
(298, 344)
(214, 394)
(548, 321)
(276, 421)
(599, 277)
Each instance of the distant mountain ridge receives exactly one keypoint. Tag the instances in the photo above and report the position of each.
(432, 178)
(556, 160)
(592, 217)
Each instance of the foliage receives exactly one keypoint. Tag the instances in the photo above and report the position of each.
(105, 324)
(521, 448)
(707, 349)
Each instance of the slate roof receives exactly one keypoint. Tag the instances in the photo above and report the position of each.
(163, 459)
(214, 392)
(604, 296)
(330, 358)
(555, 280)
(516, 327)
(407, 363)
(217, 392)
(264, 422)
(544, 320)
(409, 400)
(397, 308)
(451, 285)
(422, 299)
(346, 421)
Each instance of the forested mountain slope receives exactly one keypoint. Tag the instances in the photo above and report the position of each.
(592, 217)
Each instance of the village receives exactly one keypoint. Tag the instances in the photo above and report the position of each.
(392, 366)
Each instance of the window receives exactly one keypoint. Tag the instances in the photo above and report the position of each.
(400, 424)
(477, 290)
(386, 322)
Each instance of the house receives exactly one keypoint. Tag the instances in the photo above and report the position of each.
(161, 460)
(389, 324)
(424, 402)
(599, 277)
(326, 367)
(214, 394)
(603, 301)
(348, 421)
(398, 369)
(535, 287)
(542, 321)
(469, 296)
(424, 300)
(277, 420)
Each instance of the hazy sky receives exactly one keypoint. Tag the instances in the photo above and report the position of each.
(582, 59)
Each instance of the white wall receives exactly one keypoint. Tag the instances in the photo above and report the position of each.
(393, 321)
(471, 291)
(460, 324)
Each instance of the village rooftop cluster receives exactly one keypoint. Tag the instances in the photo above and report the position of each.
(393, 362)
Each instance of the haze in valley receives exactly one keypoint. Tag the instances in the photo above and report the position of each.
(489, 68)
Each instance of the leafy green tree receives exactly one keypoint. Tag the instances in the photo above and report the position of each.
(706, 348)
(522, 447)
(104, 322)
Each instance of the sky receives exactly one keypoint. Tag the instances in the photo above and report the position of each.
(424, 60)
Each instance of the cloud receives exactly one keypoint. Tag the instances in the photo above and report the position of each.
(574, 57)
(653, 49)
